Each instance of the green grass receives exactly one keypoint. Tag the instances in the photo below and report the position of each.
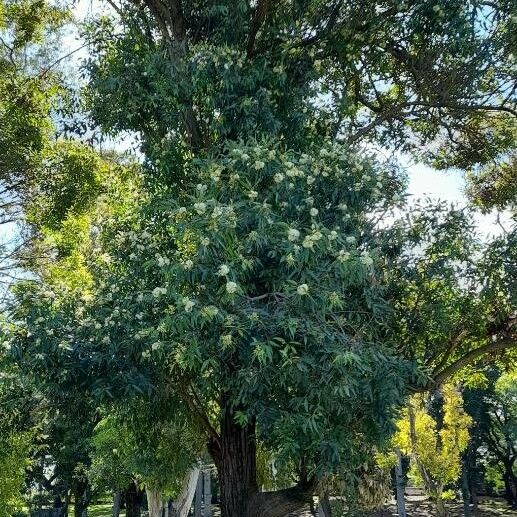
(98, 510)
(101, 510)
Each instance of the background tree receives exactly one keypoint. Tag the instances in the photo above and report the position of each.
(435, 445)
(16, 438)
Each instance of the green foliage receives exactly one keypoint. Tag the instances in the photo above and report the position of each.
(268, 263)
(494, 185)
(403, 74)
(68, 184)
(141, 442)
(14, 460)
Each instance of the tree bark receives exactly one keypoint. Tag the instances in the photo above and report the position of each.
(441, 509)
(133, 500)
(236, 464)
(465, 490)
(181, 507)
(400, 485)
(510, 485)
(81, 499)
(154, 503)
(117, 499)
(235, 459)
(324, 508)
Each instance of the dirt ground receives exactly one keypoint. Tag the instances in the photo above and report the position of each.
(419, 506)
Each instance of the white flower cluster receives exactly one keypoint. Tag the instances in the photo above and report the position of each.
(311, 239)
(302, 289)
(188, 304)
(223, 270)
(159, 291)
(231, 287)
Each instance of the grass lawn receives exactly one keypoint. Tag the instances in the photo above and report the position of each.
(98, 510)
(101, 510)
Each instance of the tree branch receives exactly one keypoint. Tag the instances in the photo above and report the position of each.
(259, 17)
(502, 344)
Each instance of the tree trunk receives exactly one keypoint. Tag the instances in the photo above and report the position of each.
(400, 486)
(441, 509)
(181, 507)
(198, 503)
(324, 508)
(117, 499)
(465, 491)
(133, 500)
(81, 499)
(235, 459)
(237, 467)
(68, 498)
(510, 485)
(154, 503)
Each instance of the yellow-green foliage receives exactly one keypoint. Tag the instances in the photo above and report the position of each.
(76, 189)
(14, 452)
(71, 243)
(437, 450)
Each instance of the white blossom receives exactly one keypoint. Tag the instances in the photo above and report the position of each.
(188, 304)
(278, 177)
(200, 208)
(163, 261)
(259, 165)
(343, 255)
(332, 235)
(293, 234)
(231, 287)
(253, 194)
(223, 270)
(366, 259)
(226, 340)
(217, 212)
(314, 212)
(158, 291)
(302, 289)
(215, 174)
